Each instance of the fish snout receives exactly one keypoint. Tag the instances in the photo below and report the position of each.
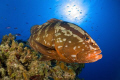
(94, 55)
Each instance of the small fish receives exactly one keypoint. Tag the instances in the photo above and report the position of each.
(85, 20)
(8, 27)
(7, 4)
(80, 12)
(27, 23)
(23, 13)
(17, 34)
(15, 8)
(15, 28)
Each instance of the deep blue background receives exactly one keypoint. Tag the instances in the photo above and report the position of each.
(100, 18)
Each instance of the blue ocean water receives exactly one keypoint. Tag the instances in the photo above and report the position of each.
(100, 18)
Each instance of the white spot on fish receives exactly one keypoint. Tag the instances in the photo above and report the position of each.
(66, 45)
(53, 45)
(73, 55)
(64, 39)
(69, 41)
(74, 59)
(83, 43)
(74, 47)
(57, 41)
(60, 40)
(94, 51)
(67, 32)
(43, 36)
(91, 47)
(78, 46)
(59, 46)
(48, 43)
(45, 41)
(52, 39)
(57, 34)
(82, 49)
(37, 38)
(46, 35)
(89, 55)
(80, 41)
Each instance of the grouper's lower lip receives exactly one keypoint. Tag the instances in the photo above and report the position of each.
(97, 54)
(94, 55)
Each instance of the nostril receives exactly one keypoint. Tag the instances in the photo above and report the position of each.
(92, 43)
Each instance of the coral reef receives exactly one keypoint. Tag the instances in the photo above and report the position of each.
(20, 62)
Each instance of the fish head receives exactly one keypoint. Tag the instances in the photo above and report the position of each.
(90, 51)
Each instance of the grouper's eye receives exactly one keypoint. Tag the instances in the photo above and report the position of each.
(87, 38)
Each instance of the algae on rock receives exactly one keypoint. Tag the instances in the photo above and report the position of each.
(20, 62)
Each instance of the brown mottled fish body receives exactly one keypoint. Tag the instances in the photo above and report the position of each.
(64, 41)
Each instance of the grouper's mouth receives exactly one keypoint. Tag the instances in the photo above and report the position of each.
(94, 55)
(97, 54)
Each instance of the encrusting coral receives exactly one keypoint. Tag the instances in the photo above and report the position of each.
(20, 62)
